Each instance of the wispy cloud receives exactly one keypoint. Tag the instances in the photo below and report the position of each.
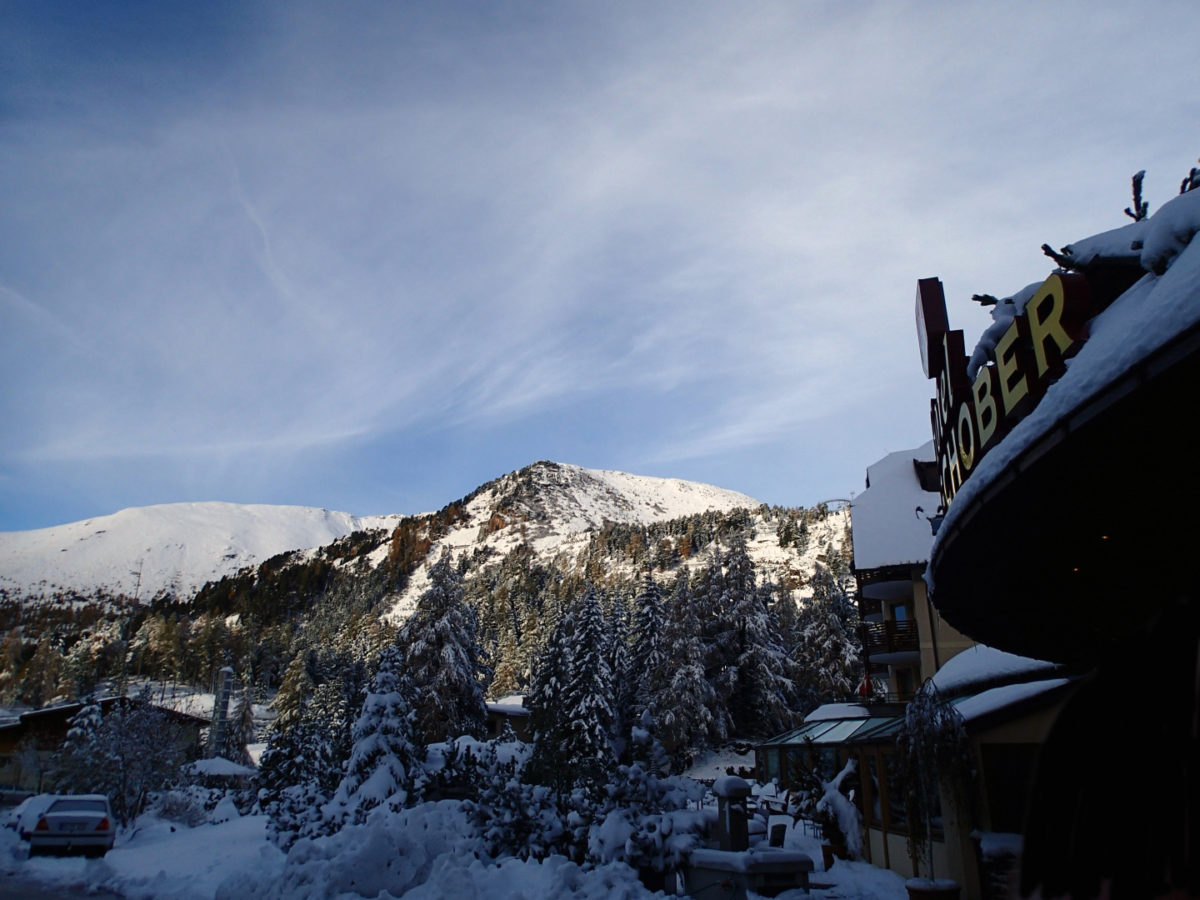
(299, 236)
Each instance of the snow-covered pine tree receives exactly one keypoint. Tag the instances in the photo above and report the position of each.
(686, 700)
(761, 689)
(383, 760)
(710, 600)
(444, 660)
(646, 672)
(309, 743)
(240, 731)
(132, 751)
(571, 701)
(764, 694)
(588, 698)
(827, 652)
(616, 626)
(72, 767)
(547, 694)
(292, 768)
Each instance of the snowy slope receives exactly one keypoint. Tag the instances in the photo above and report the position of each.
(173, 548)
(554, 508)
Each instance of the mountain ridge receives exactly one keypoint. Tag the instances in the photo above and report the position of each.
(174, 549)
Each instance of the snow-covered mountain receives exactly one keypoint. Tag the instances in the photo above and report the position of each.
(556, 510)
(174, 548)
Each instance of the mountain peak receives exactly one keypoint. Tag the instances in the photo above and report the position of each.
(149, 551)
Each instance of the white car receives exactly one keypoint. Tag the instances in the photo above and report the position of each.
(75, 822)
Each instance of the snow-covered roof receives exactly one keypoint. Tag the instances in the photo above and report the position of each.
(828, 711)
(1117, 244)
(998, 698)
(221, 767)
(1162, 304)
(885, 524)
(982, 664)
(513, 705)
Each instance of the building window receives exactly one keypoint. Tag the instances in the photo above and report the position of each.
(772, 757)
(895, 817)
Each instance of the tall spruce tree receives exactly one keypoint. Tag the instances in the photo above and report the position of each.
(710, 602)
(588, 698)
(827, 652)
(685, 705)
(383, 760)
(547, 695)
(444, 660)
(572, 701)
(240, 731)
(646, 672)
(761, 688)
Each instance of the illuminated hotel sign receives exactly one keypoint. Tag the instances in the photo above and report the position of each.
(970, 417)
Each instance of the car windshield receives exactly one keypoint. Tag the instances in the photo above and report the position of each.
(78, 804)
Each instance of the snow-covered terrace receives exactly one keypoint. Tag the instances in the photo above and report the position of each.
(889, 522)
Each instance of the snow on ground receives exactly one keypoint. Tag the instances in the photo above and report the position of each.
(712, 764)
(146, 551)
(157, 859)
(424, 853)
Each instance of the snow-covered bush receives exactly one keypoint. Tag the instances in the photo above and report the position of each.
(390, 851)
(188, 805)
(836, 810)
(644, 819)
(517, 819)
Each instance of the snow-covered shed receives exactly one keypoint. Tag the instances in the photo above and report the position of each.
(510, 712)
(28, 740)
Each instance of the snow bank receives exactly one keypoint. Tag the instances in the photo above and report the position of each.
(159, 859)
(425, 852)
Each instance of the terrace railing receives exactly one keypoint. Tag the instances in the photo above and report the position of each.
(893, 636)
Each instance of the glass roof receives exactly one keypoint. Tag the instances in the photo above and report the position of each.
(839, 731)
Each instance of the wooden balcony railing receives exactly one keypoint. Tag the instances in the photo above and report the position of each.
(889, 637)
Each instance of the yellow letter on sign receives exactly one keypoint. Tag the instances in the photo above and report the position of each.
(1055, 328)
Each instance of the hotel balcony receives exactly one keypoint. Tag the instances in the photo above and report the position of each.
(892, 641)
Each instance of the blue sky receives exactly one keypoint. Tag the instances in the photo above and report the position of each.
(367, 256)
